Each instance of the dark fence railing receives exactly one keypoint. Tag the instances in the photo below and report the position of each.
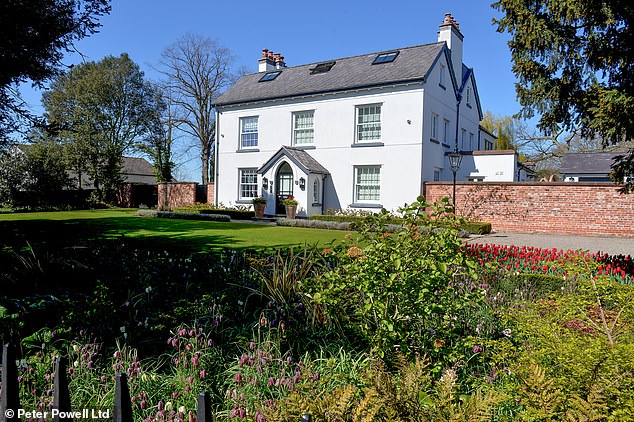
(122, 406)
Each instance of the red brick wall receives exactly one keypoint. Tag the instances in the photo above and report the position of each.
(567, 208)
(210, 193)
(173, 195)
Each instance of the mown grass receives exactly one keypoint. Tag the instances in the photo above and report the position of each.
(70, 228)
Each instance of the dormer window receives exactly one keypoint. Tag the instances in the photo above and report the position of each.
(269, 76)
(322, 68)
(385, 57)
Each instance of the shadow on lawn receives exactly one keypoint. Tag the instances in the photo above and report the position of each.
(153, 233)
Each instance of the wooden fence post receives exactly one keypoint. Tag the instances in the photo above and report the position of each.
(203, 408)
(10, 398)
(122, 411)
(61, 395)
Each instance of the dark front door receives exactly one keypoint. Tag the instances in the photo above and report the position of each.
(284, 187)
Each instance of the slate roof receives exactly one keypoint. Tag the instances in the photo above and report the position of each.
(137, 166)
(411, 65)
(588, 162)
(300, 157)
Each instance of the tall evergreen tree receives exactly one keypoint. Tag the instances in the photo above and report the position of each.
(575, 67)
(34, 35)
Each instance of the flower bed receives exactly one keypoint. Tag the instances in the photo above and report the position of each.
(532, 260)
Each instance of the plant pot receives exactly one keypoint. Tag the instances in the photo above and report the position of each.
(291, 211)
(259, 210)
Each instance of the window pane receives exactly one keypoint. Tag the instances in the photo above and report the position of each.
(249, 132)
(248, 183)
(368, 184)
(304, 127)
(369, 123)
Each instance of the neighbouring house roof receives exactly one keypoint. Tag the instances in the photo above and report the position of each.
(136, 166)
(133, 170)
(412, 64)
(588, 162)
(298, 156)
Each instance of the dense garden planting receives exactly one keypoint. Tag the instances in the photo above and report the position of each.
(406, 324)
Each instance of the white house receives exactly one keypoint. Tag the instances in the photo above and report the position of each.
(360, 132)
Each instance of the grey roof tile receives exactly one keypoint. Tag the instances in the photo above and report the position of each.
(412, 64)
(300, 157)
(588, 162)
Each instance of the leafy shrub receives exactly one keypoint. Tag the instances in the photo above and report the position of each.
(169, 214)
(233, 214)
(476, 227)
(404, 290)
(315, 224)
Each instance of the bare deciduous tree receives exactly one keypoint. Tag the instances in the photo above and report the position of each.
(198, 69)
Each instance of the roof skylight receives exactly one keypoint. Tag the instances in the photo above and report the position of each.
(269, 76)
(385, 58)
(322, 67)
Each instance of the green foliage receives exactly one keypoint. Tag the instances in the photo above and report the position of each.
(402, 290)
(32, 175)
(573, 63)
(100, 110)
(317, 224)
(184, 216)
(234, 214)
(476, 227)
(36, 35)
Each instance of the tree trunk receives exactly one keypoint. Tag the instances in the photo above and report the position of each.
(205, 164)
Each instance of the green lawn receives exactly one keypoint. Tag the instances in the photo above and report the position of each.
(69, 228)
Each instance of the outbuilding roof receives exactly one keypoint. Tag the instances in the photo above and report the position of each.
(588, 162)
(411, 64)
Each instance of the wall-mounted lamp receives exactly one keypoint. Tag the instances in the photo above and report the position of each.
(265, 183)
(302, 183)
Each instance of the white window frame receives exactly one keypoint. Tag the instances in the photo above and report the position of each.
(357, 195)
(244, 134)
(316, 191)
(251, 185)
(463, 137)
(445, 130)
(442, 74)
(437, 174)
(306, 129)
(359, 125)
(434, 126)
(468, 95)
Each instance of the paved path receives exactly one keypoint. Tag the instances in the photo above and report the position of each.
(609, 245)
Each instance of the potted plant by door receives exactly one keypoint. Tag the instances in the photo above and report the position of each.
(259, 204)
(290, 203)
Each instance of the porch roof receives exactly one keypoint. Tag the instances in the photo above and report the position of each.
(299, 157)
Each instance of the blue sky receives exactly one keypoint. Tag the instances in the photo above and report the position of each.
(303, 32)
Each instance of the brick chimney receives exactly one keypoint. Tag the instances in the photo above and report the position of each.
(266, 62)
(450, 33)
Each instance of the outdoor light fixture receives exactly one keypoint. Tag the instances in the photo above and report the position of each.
(265, 183)
(455, 159)
(302, 183)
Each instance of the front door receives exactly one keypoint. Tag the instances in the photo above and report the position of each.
(284, 187)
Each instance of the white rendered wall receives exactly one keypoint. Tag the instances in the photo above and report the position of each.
(334, 133)
(495, 167)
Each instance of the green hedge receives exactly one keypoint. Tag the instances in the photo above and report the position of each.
(471, 227)
(182, 215)
(234, 214)
(476, 227)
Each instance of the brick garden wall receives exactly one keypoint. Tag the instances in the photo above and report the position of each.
(176, 194)
(565, 208)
